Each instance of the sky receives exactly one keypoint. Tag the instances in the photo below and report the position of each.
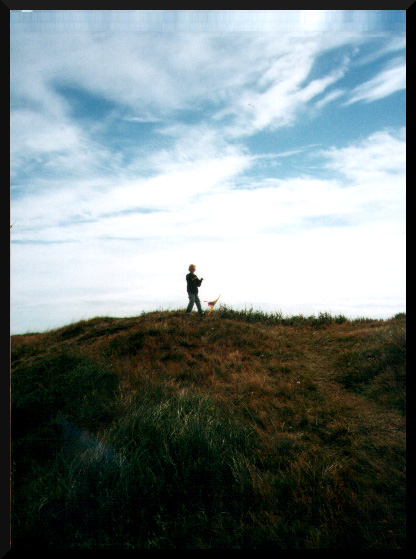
(265, 147)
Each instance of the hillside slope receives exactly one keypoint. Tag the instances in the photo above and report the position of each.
(239, 431)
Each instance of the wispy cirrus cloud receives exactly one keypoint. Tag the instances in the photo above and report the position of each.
(380, 154)
(223, 89)
(199, 156)
(281, 92)
(390, 80)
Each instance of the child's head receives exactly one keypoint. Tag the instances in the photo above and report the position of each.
(192, 268)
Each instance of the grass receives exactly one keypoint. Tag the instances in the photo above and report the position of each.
(242, 431)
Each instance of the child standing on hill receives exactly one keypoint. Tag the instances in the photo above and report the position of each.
(192, 284)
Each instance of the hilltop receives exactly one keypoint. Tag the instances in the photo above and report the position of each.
(240, 431)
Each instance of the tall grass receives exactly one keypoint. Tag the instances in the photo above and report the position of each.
(245, 431)
(253, 315)
(162, 476)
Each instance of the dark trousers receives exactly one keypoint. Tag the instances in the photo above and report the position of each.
(193, 299)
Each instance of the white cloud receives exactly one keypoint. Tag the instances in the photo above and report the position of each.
(283, 91)
(35, 135)
(199, 199)
(382, 153)
(328, 98)
(149, 78)
(117, 208)
(142, 118)
(394, 44)
(96, 233)
(387, 82)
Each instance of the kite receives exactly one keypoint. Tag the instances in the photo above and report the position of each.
(212, 304)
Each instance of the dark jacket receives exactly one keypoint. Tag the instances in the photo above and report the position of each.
(192, 283)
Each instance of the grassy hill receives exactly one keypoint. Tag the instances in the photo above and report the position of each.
(240, 431)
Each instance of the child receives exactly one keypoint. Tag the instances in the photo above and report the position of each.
(192, 284)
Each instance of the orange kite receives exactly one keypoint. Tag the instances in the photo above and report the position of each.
(212, 304)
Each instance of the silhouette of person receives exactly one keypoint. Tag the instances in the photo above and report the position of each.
(192, 284)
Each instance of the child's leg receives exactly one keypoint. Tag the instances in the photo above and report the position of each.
(191, 302)
(198, 304)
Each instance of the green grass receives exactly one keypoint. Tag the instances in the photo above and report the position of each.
(242, 431)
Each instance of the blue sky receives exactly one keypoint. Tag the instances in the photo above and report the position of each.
(266, 147)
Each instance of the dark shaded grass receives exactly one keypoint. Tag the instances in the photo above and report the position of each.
(161, 477)
(64, 381)
(169, 463)
(377, 369)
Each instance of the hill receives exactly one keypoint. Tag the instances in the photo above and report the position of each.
(240, 431)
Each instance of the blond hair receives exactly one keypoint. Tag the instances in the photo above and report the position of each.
(191, 266)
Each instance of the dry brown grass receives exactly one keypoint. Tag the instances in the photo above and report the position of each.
(323, 399)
